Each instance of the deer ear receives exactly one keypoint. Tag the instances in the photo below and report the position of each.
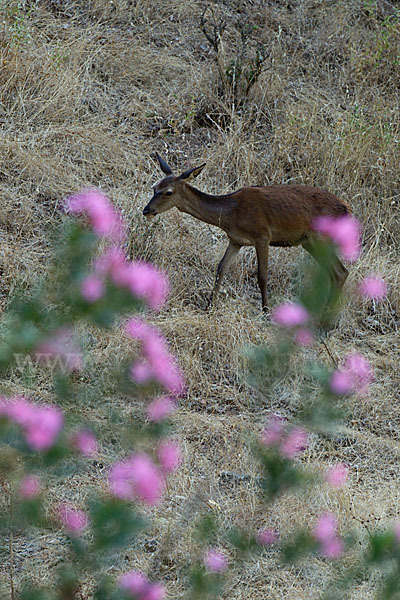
(165, 168)
(192, 173)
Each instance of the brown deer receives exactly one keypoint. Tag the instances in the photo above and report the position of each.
(260, 216)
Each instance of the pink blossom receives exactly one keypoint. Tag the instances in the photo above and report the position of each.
(373, 287)
(103, 217)
(155, 591)
(354, 376)
(17, 409)
(60, 346)
(137, 584)
(43, 427)
(290, 314)
(111, 262)
(142, 279)
(266, 537)
(326, 527)
(137, 477)
(29, 487)
(273, 433)
(170, 456)
(168, 373)
(146, 282)
(336, 476)
(325, 532)
(345, 231)
(75, 521)
(133, 582)
(332, 548)
(139, 330)
(160, 408)
(295, 442)
(303, 337)
(85, 441)
(215, 561)
(92, 288)
(340, 382)
(159, 361)
(360, 371)
(41, 424)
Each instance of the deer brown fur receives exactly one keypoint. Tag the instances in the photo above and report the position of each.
(259, 216)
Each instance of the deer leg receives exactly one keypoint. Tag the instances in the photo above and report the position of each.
(223, 265)
(262, 273)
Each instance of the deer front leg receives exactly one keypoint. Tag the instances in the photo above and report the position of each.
(262, 273)
(223, 265)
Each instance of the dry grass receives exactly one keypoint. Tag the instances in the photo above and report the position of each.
(89, 90)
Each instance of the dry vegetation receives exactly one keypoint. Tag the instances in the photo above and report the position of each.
(89, 90)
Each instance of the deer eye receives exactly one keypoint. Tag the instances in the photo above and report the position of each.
(168, 192)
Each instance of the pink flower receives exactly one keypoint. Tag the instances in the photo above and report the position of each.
(373, 287)
(85, 441)
(355, 376)
(340, 382)
(60, 349)
(17, 409)
(360, 372)
(41, 424)
(332, 548)
(137, 584)
(142, 279)
(336, 476)
(155, 591)
(92, 288)
(160, 408)
(215, 561)
(133, 582)
(29, 487)
(266, 537)
(326, 527)
(290, 314)
(345, 231)
(75, 521)
(325, 532)
(273, 433)
(303, 337)
(43, 427)
(295, 442)
(103, 217)
(146, 282)
(170, 456)
(137, 477)
(159, 362)
(112, 262)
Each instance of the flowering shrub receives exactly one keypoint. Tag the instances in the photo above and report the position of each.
(97, 289)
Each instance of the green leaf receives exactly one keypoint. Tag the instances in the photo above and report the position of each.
(114, 523)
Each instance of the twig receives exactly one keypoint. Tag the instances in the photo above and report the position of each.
(325, 345)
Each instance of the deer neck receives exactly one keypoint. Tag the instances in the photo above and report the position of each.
(210, 209)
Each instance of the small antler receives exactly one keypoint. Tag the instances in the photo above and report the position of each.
(165, 168)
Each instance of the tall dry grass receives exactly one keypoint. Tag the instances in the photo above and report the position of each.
(88, 91)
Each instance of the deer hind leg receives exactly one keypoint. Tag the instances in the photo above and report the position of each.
(223, 265)
(262, 273)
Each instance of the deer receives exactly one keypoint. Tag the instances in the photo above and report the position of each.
(261, 216)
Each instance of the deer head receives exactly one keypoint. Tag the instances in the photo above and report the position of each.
(169, 190)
